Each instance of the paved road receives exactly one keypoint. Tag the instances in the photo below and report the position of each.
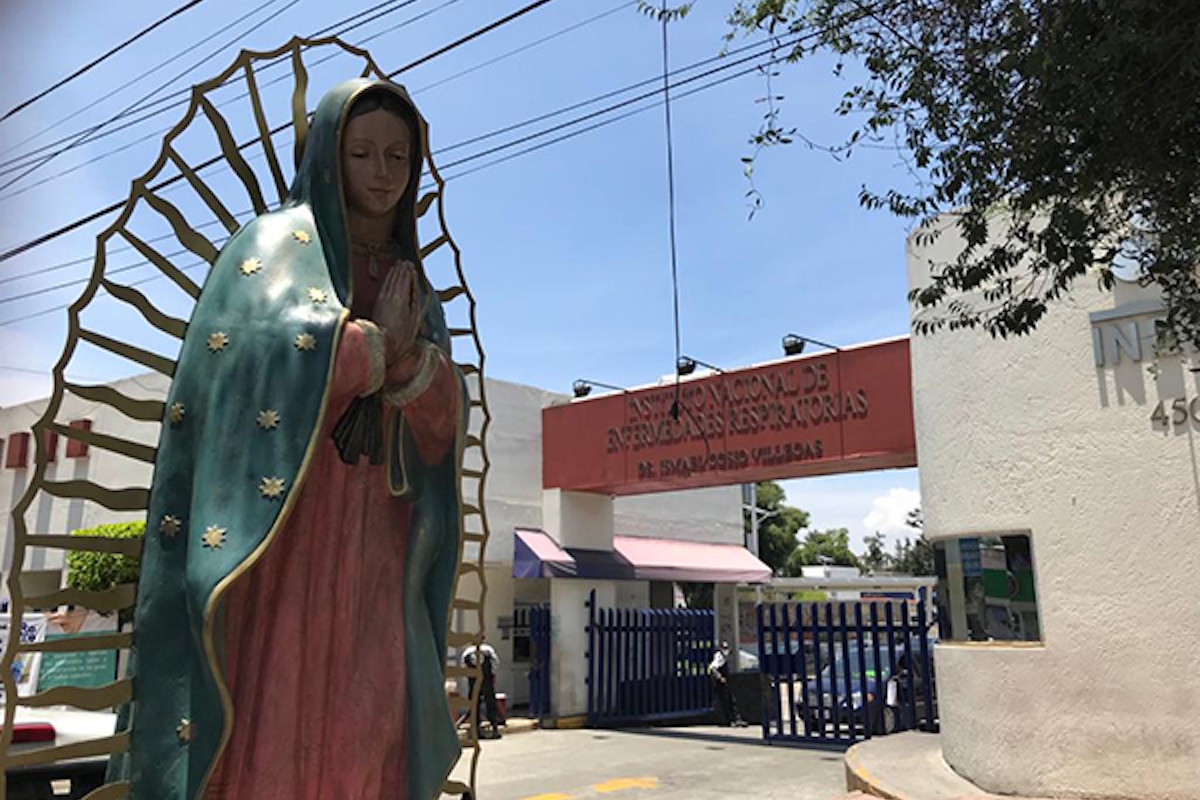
(654, 764)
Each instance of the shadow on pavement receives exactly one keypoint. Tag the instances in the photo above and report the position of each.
(747, 737)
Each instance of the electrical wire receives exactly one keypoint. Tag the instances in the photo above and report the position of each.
(527, 122)
(223, 103)
(40, 271)
(447, 178)
(539, 134)
(83, 138)
(97, 61)
(179, 98)
(666, 89)
(524, 47)
(62, 231)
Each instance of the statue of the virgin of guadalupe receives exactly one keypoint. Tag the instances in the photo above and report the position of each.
(304, 514)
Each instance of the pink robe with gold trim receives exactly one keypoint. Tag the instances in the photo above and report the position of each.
(314, 633)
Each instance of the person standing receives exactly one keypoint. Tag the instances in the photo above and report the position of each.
(488, 660)
(724, 703)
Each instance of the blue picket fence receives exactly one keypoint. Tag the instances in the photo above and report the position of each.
(841, 672)
(647, 665)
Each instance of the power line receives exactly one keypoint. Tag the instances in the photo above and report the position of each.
(602, 123)
(529, 46)
(95, 215)
(476, 156)
(179, 98)
(97, 61)
(82, 134)
(456, 176)
(227, 102)
(671, 197)
(761, 51)
(84, 137)
(570, 28)
(520, 12)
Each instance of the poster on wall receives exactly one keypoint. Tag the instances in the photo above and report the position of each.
(25, 666)
(86, 669)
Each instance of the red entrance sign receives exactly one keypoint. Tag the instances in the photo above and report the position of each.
(846, 411)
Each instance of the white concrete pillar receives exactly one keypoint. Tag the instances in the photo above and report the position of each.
(569, 641)
(578, 519)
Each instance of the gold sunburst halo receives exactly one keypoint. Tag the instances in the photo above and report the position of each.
(303, 237)
(251, 266)
(318, 296)
(175, 413)
(305, 342)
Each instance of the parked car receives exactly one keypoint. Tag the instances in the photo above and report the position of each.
(864, 702)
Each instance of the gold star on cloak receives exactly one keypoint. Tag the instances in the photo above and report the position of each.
(318, 296)
(217, 341)
(170, 526)
(303, 237)
(184, 730)
(251, 266)
(306, 341)
(271, 488)
(175, 413)
(268, 419)
(213, 537)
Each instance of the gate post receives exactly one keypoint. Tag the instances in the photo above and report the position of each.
(569, 623)
(591, 660)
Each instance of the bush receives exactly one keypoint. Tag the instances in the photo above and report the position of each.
(97, 572)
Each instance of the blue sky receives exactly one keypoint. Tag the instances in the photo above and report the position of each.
(566, 248)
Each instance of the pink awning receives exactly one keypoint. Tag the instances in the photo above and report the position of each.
(678, 560)
(537, 555)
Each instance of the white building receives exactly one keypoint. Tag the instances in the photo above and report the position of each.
(1066, 436)
(514, 499)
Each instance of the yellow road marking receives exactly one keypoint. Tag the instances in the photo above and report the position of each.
(551, 796)
(620, 784)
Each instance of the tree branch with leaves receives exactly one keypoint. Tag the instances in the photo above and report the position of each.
(1060, 137)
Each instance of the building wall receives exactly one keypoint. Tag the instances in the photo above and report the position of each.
(49, 514)
(1029, 434)
(514, 498)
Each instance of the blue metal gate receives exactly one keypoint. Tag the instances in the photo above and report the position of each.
(531, 634)
(647, 665)
(840, 672)
(539, 668)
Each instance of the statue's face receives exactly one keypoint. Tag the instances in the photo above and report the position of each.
(376, 149)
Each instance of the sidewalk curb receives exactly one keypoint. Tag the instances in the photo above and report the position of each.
(860, 779)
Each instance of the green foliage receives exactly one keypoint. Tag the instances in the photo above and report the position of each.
(874, 559)
(913, 557)
(664, 13)
(1059, 137)
(697, 595)
(97, 572)
(910, 556)
(831, 547)
(777, 530)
